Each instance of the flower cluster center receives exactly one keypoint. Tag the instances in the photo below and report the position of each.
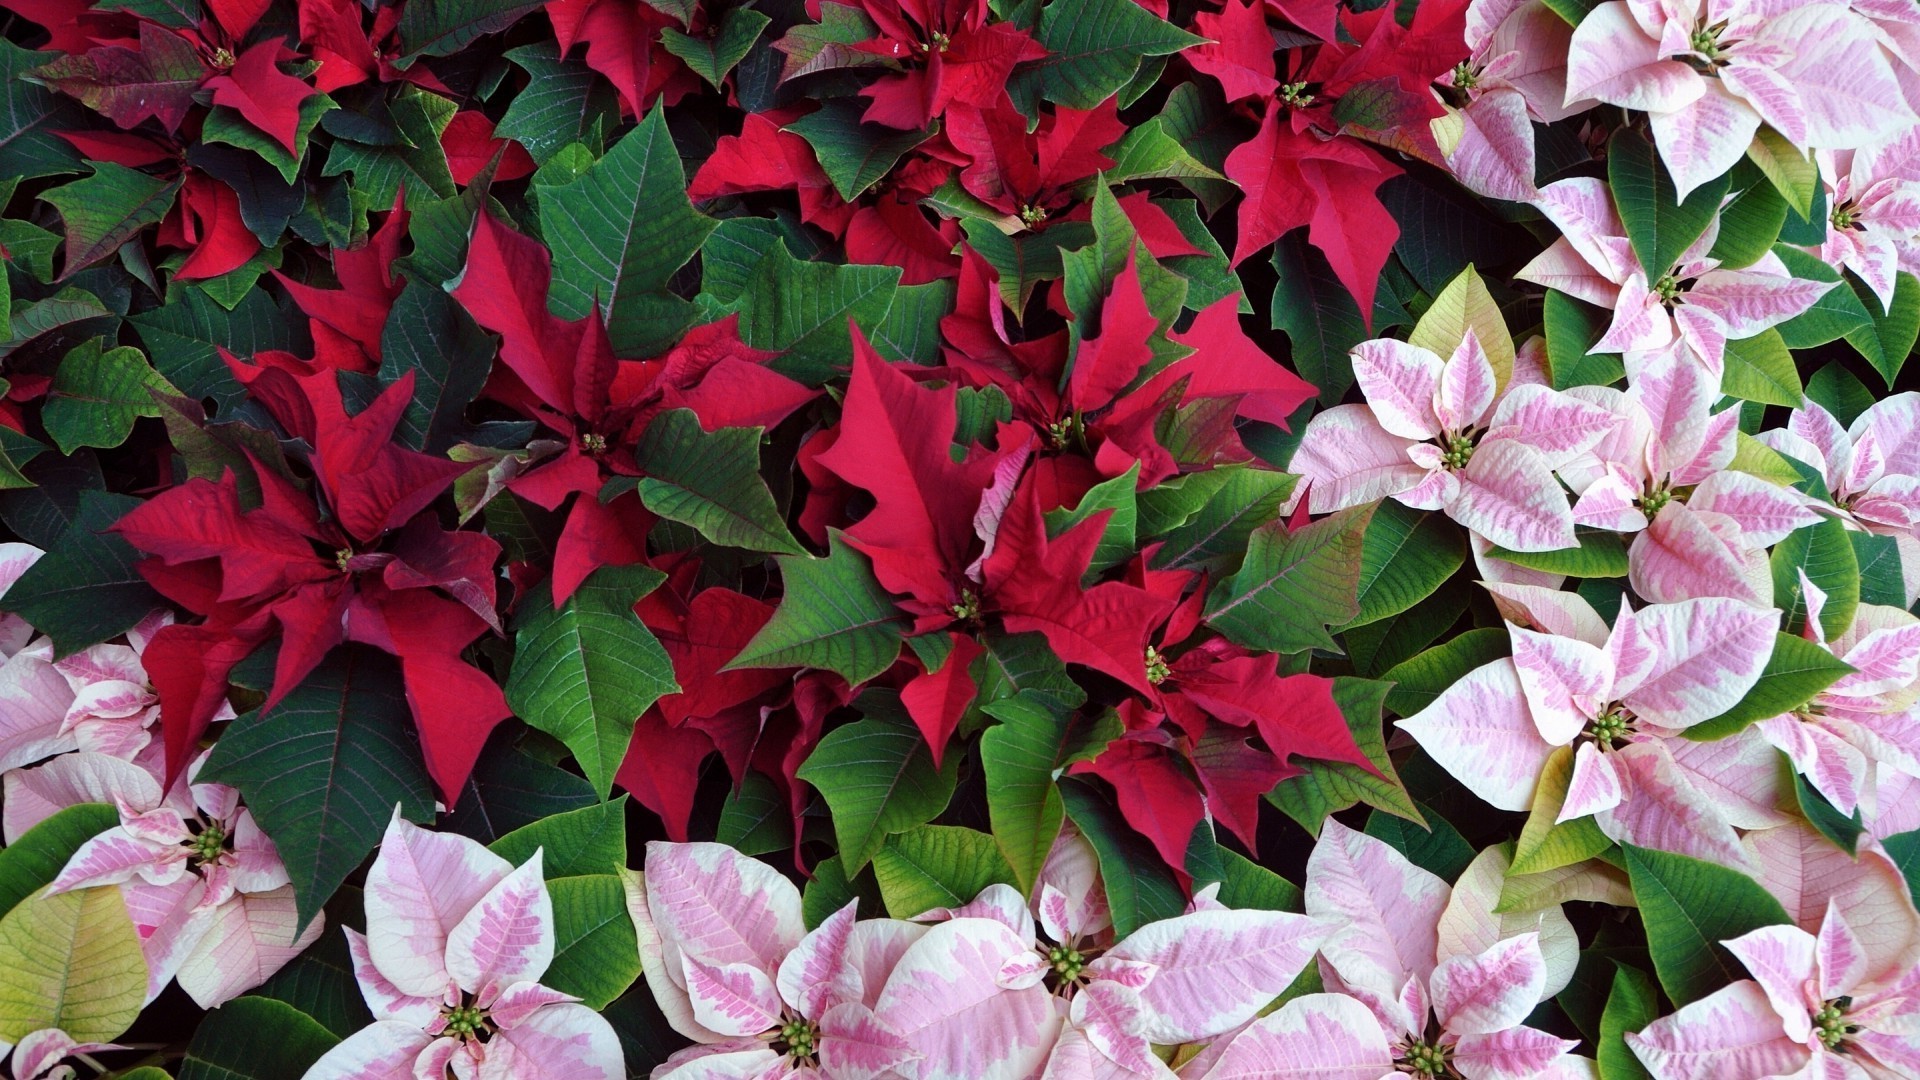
(798, 1039)
(1830, 1023)
(1425, 1059)
(465, 1021)
(1157, 670)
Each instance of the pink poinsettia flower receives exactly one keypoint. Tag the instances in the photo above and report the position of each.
(457, 939)
(1871, 468)
(1867, 716)
(1435, 435)
(1623, 700)
(1446, 982)
(15, 559)
(1710, 72)
(731, 964)
(1812, 1009)
(1664, 474)
(205, 888)
(1516, 74)
(1873, 221)
(40, 1054)
(1696, 301)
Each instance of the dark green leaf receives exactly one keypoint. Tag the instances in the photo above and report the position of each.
(1689, 906)
(936, 866)
(1822, 552)
(1094, 47)
(711, 481)
(596, 954)
(85, 590)
(1405, 556)
(433, 337)
(1439, 848)
(1598, 554)
(1140, 888)
(1796, 671)
(106, 210)
(444, 27)
(714, 53)
(1020, 756)
(854, 155)
(42, 852)
(1659, 224)
(1631, 1006)
(565, 102)
(255, 1038)
(1293, 585)
(97, 394)
(877, 776)
(834, 616)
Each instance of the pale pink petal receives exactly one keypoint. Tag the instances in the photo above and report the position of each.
(1471, 925)
(1611, 502)
(33, 795)
(1493, 990)
(1568, 682)
(385, 1000)
(812, 976)
(1402, 383)
(721, 907)
(664, 980)
(1346, 458)
(1554, 425)
(1112, 1017)
(1562, 268)
(1072, 903)
(1594, 786)
(1553, 611)
(1884, 659)
(115, 856)
(1834, 767)
(1612, 59)
(1731, 1032)
(1641, 321)
(1479, 730)
(943, 999)
(558, 1042)
(1749, 302)
(1781, 960)
(856, 1046)
(1315, 1037)
(1705, 138)
(170, 920)
(1384, 908)
(738, 999)
(1000, 902)
(384, 1050)
(1845, 84)
(1662, 810)
(1519, 1053)
(16, 559)
(420, 886)
(735, 1059)
(507, 936)
(873, 949)
(1681, 557)
(33, 703)
(1888, 433)
(1509, 495)
(1216, 969)
(1466, 385)
(1707, 654)
(249, 938)
(1766, 512)
(1494, 154)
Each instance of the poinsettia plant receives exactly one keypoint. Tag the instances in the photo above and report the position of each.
(936, 539)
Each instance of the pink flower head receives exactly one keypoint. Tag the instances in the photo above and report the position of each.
(204, 886)
(1517, 74)
(40, 1053)
(15, 559)
(1622, 700)
(732, 965)
(1710, 72)
(1445, 982)
(1871, 468)
(1435, 435)
(1811, 1009)
(1865, 717)
(457, 939)
(1664, 474)
(1873, 221)
(1695, 302)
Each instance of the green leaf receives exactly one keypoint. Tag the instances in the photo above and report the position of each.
(834, 616)
(590, 840)
(98, 393)
(1246, 884)
(1842, 829)
(936, 866)
(324, 768)
(431, 335)
(85, 590)
(854, 155)
(444, 27)
(911, 330)
(1790, 170)
(1599, 554)
(1320, 317)
(1140, 888)
(1465, 304)
(255, 1038)
(1839, 392)
(1823, 552)
(1904, 850)
(226, 125)
(1094, 47)
(1419, 680)
(1659, 225)
(1439, 848)
(1796, 671)
(1115, 498)
(596, 954)
(830, 890)
(1149, 152)
(37, 857)
(106, 210)
(419, 165)
(1690, 906)
(1882, 578)
(1023, 260)
(1838, 313)
(1761, 369)
(585, 671)
(715, 53)
(71, 962)
(801, 309)
(1024, 664)
(1750, 223)
(29, 115)
(1214, 537)
(1546, 843)
(1330, 786)
(1572, 328)
(508, 790)
(755, 820)
(711, 481)
(1021, 757)
(1631, 1005)
(877, 776)
(184, 336)
(320, 983)
(1405, 556)
(619, 233)
(565, 102)
(1889, 340)
(1293, 584)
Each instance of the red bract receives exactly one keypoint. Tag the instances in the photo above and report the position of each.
(951, 55)
(357, 558)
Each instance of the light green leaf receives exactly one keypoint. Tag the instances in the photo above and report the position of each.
(98, 393)
(1889, 340)
(596, 954)
(834, 616)
(711, 481)
(1421, 679)
(585, 671)
(107, 209)
(1750, 223)
(1690, 906)
(1292, 586)
(936, 866)
(1761, 369)
(877, 776)
(590, 840)
(1825, 554)
(1796, 671)
(1022, 756)
(1598, 554)
(1213, 536)
(1546, 844)
(71, 962)
(1465, 304)
(1790, 169)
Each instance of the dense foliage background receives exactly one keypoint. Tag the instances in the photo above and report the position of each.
(1448, 468)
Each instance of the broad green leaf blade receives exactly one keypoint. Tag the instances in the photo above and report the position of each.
(444, 27)
(565, 102)
(97, 394)
(1140, 888)
(1405, 556)
(1545, 843)
(431, 335)
(1791, 171)
(877, 776)
(324, 769)
(183, 338)
(711, 481)
(755, 820)
(1843, 830)
(42, 852)
(936, 866)
(1215, 536)
(1025, 664)
(509, 790)
(85, 590)
(1689, 907)
(106, 210)
(29, 115)
(596, 954)
(1094, 48)
(801, 310)
(1796, 671)
(320, 983)
(1416, 682)
(835, 616)
(1599, 554)
(1115, 498)
(1889, 339)
(1572, 327)
(714, 54)
(419, 164)
(1761, 369)
(1631, 1005)
(1292, 586)
(1904, 850)
(585, 671)
(1659, 224)
(590, 840)
(1022, 755)
(1750, 223)
(255, 1038)
(1824, 553)
(854, 155)
(71, 962)
(619, 233)
(1438, 848)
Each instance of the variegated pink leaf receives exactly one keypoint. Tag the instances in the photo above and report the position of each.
(1509, 495)
(1493, 990)
(507, 936)
(385, 1000)
(558, 1041)
(721, 907)
(1402, 384)
(1707, 654)
(1347, 458)
(1479, 729)
(855, 1045)
(1517, 1053)
(1731, 1032)
(1215, 969)
(420, 887)
(247, 940)
(1567, 682)
(813, 976)
(1383, 909)
(383, 1050)
(1315, 1037)
(736, 999)
(943, 999)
